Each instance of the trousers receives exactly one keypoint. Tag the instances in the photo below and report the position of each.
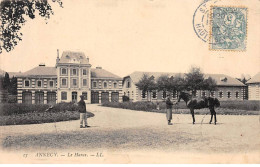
(83, 119)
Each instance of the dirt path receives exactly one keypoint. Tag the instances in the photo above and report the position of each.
(134, 134)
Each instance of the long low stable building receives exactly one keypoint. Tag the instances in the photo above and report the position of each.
(228, 88)
(67, 81)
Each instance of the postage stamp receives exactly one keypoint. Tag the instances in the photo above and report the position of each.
(228, 28)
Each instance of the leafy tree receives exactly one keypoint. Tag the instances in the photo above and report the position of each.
(209, 84)
(14, 14)
(147, 84)
(6, 82)
(13, 86)
(194, 80)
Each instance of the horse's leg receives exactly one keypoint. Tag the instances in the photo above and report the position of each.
(192, 113)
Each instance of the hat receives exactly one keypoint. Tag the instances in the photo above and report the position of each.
(82, 96)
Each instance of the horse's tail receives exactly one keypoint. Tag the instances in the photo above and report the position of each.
(217, 103)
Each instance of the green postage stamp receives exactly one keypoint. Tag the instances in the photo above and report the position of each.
(228, 30)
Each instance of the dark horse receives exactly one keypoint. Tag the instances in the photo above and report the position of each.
(205, 102)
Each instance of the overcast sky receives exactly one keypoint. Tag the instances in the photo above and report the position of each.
(124, 36)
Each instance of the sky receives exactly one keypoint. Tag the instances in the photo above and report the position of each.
(123, 36)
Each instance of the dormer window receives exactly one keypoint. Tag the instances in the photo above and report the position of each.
(224, 79)
(67, 56)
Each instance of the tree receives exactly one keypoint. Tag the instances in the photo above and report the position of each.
(194, 80)
(13, 87)
(209, 84)
(6, 82)
(146, 84)
(14, 14)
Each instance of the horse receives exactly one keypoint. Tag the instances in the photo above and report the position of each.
(205, 102)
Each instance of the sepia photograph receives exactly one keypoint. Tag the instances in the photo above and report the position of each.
(129, 82)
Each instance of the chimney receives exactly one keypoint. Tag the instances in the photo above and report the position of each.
(98, 67)
(42, 64)
(58, 57)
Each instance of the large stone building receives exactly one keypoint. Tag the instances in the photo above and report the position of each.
(228, 88)
(67, 81)
(254, 87)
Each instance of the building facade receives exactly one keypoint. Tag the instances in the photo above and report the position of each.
(254, 87)
(228, 88)
(67, 81)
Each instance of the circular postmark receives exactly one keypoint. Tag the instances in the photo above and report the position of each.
(201, 19)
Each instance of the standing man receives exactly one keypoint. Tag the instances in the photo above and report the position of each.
(83, 112)
(169, 105)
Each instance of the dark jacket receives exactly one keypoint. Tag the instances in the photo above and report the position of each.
(168, 103)
(82, 106)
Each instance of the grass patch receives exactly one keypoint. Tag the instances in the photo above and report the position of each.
(19, 114)
(226, 107)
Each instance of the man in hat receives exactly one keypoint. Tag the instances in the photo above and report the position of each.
(83, 112)
(169, 105)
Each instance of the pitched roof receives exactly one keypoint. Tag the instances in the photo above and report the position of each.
(254, 79)
(11, 74)
(73, 57)
(101, 73)
(221, 79)
(224, 80)
(40, 71)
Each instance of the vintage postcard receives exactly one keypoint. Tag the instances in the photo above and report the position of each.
(129, 82)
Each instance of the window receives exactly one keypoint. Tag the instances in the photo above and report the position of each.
(64, 71)
(63, 95)
(164, 94)
(27, 83)
(94, 84)
(51, 84)
(74, 71)
(105, 84)
(228, 94)
(85, 94)
(64, 82)
(128, 84)
(220, 94)
(237, 95)
(39, 83)
(203, 94)
(143, 94)
(74, 82)
(212, 94)
(115, 85)
(84, 72)
(194, 93)
(85, 82)
(154, 95)
(174, 95)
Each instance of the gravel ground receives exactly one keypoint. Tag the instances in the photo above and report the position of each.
(136, 137)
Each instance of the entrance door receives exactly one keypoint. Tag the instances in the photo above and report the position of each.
(94, 97)
(115, 97)
(51, 98)
(39, 97)
(27, 97)
(74, 97)
(104, 97)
